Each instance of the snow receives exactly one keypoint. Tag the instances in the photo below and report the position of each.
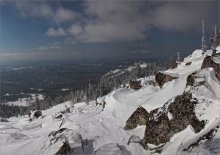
(103, 130)
(121, 71)
(218, 49)
(21, 68)
(23, 101)
(170, 116)
(64, 89)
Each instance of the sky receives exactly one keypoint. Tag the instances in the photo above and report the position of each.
(100, 29)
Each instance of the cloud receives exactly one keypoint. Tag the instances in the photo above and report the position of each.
(52, 32)
(69, 40)
(62, 15)
(111, 21)
(185, 16)
(14, 56)
(43, 10)
(127, 21)
(122, 21)
(50, 46)
(34, 9)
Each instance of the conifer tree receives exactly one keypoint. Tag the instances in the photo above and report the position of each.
(203, 44)
(178, 57)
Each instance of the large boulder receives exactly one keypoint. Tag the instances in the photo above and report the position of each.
(157, 130)
(161, 126)
(3, 119)
(183, 113)
(139, 117)
(162, 78)
(64, 149)
(35, 114)
(59, 142)
(208, 62)
(135, 84)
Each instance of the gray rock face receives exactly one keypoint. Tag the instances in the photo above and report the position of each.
(64, 141)
(59, 142)
(139, 117)
(162, 78)
(208, 62)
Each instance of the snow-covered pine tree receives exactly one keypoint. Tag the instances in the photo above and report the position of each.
(215, 41)
(72, 99)
(155, 68)
(203, 43)
(100, 88)
(215, 30)
(178, 57)
(86, 96)
(0, 86)
(88, 92)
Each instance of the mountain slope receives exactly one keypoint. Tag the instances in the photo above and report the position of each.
(88, 129)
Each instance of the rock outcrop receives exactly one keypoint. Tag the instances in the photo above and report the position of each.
(183, 113)
(162, 78)
(36, 114)
(160, 128)
(208, 62)
(139, 117)
(64, 141)
(157, 130)
(191, 79)
(59, 142)
(64, 149)
(135, 84)
(188, 63)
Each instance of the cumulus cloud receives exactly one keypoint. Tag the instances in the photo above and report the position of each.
(52, 32)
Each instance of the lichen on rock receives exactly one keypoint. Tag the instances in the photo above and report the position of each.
(159, 129)
(139, 117)
(135, 84)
